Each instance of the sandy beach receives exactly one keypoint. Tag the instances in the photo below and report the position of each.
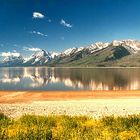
(92, 103)
(30, 96)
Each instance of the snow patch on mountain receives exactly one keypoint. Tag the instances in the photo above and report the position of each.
(54, 54)
(69, 51)
(12, 60)
(97, 46)
(132, 45)
(38, 58)
(79, 49)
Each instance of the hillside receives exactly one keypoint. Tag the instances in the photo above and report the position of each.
(105, 57)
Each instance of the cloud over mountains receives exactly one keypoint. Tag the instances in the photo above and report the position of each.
(33, 49)
(7, 54)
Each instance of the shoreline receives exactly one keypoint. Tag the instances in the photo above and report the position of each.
(29, 96)
(91, 103)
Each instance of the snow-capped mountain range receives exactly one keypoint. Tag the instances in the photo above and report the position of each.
(43, 57)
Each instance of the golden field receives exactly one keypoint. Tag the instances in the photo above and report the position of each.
(63, 127)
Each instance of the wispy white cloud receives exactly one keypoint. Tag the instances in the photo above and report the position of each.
(6, 54)
(38, 33)
(32, 49)
(64, 23)
(38, 15)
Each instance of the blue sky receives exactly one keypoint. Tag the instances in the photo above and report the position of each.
(56, 25)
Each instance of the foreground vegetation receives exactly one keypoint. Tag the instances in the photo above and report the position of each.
(31, 127)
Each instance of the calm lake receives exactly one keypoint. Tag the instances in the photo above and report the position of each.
(42, 78)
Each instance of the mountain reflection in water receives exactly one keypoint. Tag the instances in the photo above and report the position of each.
(41, 78)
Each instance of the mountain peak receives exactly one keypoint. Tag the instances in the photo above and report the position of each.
(130, 44)
(41, 53)
(38, 58)
(69, 51)
(54, 54)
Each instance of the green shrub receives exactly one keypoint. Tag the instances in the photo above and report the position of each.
(3, 117)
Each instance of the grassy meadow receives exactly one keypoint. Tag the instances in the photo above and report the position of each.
(32, 127)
